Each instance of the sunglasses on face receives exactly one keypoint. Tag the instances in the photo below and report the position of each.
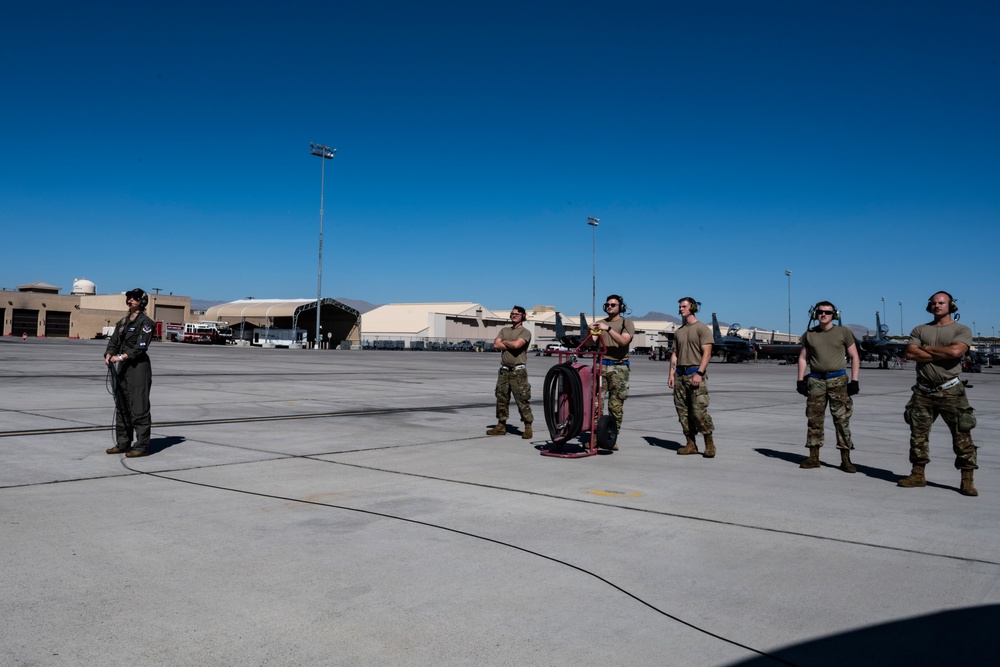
(611, 305)
(824, 312)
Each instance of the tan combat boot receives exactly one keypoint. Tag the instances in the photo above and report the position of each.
(709, 446)
(845, 461)
(813, 460)
(690, 448)
(916, 478)
(967, 488)
(527, 434)
(499, 429)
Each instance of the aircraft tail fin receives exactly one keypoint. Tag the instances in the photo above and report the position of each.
(570, 340)
(716, 332)
(878, 327)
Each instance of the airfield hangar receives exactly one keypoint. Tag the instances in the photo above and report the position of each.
(340, 325)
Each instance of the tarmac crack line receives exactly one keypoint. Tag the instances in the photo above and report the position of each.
(315, 457)
(660, 512)
(484, 538)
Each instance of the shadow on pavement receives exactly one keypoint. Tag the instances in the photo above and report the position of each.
(663, 444)
(869, 471)
(157, 445)
(954, 637)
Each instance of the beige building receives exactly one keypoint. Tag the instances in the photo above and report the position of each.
(38, 309)
(469, 321)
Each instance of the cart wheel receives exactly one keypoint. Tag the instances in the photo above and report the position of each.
(607, 432)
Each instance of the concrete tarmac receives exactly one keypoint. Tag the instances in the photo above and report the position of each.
(347, 508)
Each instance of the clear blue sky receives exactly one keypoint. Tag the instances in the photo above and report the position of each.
(720, 143)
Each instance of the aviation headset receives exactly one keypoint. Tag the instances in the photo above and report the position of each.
(693, 305)
(952, 306)
(621, 301)
(521, 310)
(139, 294)
(813, 315)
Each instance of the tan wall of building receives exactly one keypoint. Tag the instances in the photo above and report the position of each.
(88, 315)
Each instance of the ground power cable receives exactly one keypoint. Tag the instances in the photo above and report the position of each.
(463, 533)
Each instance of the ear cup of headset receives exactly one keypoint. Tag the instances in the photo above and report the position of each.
(952, 306)
(140, 294)
(813, 315)
(622, 307)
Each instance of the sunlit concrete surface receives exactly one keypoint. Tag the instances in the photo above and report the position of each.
(347, 508)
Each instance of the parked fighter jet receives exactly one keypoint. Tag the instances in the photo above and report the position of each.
(881, 346)
(732, 347)
(788, 352)
(571, 341)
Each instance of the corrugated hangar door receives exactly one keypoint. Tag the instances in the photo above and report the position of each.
(168, 313)
(24, 321)
(57, 324)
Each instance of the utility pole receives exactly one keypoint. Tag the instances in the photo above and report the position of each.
(326, 153)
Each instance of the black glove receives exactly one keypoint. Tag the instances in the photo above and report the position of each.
(853, 387)
(802, 386)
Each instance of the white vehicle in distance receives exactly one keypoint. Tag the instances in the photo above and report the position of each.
(554, 348)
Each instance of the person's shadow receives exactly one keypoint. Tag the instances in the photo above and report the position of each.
(157, 445)
(672, 445)
(912, 641)
(870, 471)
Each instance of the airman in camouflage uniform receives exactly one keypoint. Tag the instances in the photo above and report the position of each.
(512, 378)
(616, 334)
(825, 348)
(688, 367)
(938, 348)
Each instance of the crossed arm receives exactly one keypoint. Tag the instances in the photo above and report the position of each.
(926, 353)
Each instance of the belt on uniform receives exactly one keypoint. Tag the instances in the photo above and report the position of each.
(612, 362)
(687, 370)
(950, 383)
(827, 376)
(519, 367)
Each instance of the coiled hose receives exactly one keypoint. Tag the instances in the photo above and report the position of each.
(563, 392)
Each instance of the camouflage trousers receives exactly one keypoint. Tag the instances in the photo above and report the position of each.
(834, 392)
(954, 408)
(516, 383)
(692, 405)
(616, 384)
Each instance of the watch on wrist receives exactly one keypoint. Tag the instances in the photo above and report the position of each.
(700, 372)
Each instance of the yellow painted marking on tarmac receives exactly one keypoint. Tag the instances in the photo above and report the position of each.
(615, 494)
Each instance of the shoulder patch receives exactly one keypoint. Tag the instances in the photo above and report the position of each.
(146, 328)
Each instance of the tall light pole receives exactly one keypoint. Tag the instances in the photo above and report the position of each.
(901, 333)
(883, 310)
(788, 274)
(326, 153)
(592, 221)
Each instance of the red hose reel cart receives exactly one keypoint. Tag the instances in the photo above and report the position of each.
(574, 402)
